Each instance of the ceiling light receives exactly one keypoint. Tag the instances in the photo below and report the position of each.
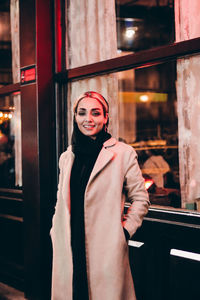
(130, 32)
(144, 98)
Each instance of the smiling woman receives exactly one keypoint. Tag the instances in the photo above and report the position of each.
(84, 257)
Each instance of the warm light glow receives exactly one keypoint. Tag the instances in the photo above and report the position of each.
(5, 116)
(130, 97)
(130, 32)
(148, 183)
(144, 98)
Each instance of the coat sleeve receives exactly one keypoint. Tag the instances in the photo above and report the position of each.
(60, 164)
(59, 195)
(136, 194)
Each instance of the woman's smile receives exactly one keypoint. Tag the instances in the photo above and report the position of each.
(88, 126)
(90, 117)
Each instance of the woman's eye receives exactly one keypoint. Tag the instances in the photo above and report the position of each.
(96, 113)
(81, 113)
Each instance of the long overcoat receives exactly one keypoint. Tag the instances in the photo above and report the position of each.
(116, 177)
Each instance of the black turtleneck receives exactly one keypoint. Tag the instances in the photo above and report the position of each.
(86, 151)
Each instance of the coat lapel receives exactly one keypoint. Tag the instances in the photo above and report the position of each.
(105, 156)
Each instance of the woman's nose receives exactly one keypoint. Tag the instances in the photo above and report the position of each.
(88, 117)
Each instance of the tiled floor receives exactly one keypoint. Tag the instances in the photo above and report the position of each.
(9, 293)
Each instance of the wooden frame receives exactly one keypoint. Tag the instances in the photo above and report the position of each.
(140, 59)
(9, 89)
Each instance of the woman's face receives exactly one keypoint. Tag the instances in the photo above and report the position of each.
(90, 117)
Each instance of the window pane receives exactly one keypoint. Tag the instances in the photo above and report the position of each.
(9, 42)
(156, 110)
(100, 30)
(148, 121)
(143, 114)
(144, 24)
(10, 142)
(5, 44)
(159, 116)
(91, 35)
(188, 77)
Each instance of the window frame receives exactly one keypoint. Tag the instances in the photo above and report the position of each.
(9, 89)
(140, 59)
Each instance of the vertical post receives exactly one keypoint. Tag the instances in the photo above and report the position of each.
(38, 144)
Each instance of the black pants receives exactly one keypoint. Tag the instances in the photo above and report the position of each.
(80, 282)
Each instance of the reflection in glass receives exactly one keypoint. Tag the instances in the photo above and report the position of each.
(144, 24)
(148, 122)
(5, 44)
(130, 25)
(10, 142)
(9, 42)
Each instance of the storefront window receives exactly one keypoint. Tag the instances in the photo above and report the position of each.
(143, 24)
(143, 113)
(9, 42)
(5, 44)
(148, 121)
(101, 30)
(10, 142)
(155, 110)
(159, 117)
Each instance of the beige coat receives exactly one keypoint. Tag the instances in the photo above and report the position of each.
(115, 177)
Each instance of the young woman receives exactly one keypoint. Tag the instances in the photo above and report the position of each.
(90, 231)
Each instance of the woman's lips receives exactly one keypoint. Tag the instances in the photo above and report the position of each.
(88, 126)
